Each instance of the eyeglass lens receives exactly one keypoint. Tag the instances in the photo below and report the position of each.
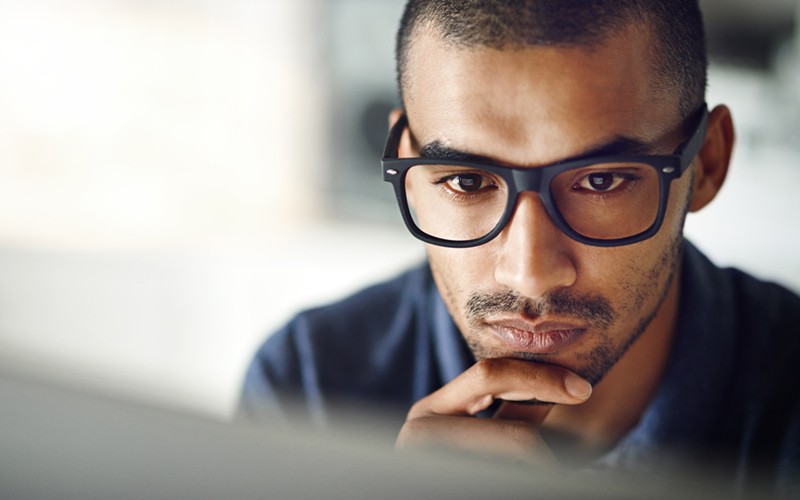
(602, 201)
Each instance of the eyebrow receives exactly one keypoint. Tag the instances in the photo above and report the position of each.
(620, 145)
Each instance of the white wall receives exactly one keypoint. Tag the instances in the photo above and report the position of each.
(153, 123)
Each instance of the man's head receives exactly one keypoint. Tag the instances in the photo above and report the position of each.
(527, 84)
(678, 48)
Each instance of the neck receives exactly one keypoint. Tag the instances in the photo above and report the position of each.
(619, 400)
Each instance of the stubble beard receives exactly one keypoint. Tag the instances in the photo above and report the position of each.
(595, 310)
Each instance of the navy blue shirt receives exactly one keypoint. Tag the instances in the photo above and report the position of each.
(730, 391)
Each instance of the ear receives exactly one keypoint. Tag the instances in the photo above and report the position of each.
(406, 148)
(394, 115)
(714, 157)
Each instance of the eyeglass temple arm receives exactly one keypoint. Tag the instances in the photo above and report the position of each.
(396, 132)
(689, 149)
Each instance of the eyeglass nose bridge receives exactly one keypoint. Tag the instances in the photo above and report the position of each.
(529, 180)
(533, 180)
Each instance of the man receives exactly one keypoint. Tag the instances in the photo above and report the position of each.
(547, 153)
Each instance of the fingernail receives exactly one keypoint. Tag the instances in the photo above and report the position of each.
(577, 386)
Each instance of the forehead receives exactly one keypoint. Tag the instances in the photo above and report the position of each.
(536, 104)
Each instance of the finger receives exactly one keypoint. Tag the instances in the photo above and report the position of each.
(533, 414)
(506, 379)
(513, 439)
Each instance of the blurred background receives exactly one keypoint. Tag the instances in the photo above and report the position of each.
(178, 177)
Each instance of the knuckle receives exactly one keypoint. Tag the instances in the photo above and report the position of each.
(405, 438)
(485, 370)
(408, 430)
(417, 409)
(414, 432)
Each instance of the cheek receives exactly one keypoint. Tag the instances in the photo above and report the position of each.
(630, 275)
(458, 272)
(607, 272)
(632, 278)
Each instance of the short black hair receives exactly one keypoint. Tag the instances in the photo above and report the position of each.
(677, 25)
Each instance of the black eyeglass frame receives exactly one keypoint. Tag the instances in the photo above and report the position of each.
(532, 179)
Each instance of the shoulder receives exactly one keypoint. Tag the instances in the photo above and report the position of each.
(761, 321)
(368, 309)
(359, 322)
(766, 322)
(751, 304)
(765, 300)
(728, 390)
(360, 347)
(768, 332)
(762, 317)
(767, 314)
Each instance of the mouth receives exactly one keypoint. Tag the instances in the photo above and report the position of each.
(536, 337)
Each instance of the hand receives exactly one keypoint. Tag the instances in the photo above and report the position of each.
(446, 417)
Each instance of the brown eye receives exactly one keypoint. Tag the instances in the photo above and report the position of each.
(463, 182)
(469, 183)
(600, 181)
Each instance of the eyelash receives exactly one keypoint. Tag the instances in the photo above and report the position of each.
(463, 196)
(626, 182)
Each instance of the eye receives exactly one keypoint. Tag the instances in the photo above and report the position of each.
(467, 183)
(600, 181)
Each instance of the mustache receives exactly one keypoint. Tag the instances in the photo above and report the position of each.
(590, 308)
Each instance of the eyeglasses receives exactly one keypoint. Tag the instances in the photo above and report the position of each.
(601, 200)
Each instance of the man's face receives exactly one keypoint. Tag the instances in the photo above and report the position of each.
(533, 292)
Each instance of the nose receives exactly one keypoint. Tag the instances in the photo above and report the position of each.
(533, 258)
